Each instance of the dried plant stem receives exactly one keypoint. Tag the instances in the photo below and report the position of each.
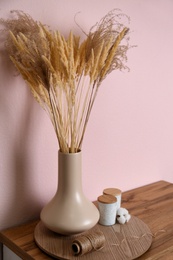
(82, 120)
(64, 75)
(89, 108)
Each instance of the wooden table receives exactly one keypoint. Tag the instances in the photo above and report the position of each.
(152, 203)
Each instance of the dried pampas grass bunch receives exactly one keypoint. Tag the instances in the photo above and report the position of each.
(64, 75)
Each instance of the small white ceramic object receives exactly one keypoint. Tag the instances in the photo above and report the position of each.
(107, 205)
(114, 192)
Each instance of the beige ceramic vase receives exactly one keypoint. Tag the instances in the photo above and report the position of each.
(69, 212)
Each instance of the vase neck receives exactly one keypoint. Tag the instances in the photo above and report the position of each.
(69, 172)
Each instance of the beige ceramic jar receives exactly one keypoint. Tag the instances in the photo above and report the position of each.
(69, 212)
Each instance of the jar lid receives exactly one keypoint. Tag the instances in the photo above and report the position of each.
(107, 199)
(112, 191)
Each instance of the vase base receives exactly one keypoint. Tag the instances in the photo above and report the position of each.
(71, 221)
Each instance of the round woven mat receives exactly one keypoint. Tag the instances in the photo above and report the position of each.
(127, 241)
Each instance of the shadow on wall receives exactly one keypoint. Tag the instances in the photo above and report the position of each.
(18, 203)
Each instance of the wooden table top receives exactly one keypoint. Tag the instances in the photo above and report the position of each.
(152, 203)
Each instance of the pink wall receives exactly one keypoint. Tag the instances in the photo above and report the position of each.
(129, 140)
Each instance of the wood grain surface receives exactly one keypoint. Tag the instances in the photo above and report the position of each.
(126, 242)
(153, 204)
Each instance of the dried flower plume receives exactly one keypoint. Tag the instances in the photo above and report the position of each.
(64, 75)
